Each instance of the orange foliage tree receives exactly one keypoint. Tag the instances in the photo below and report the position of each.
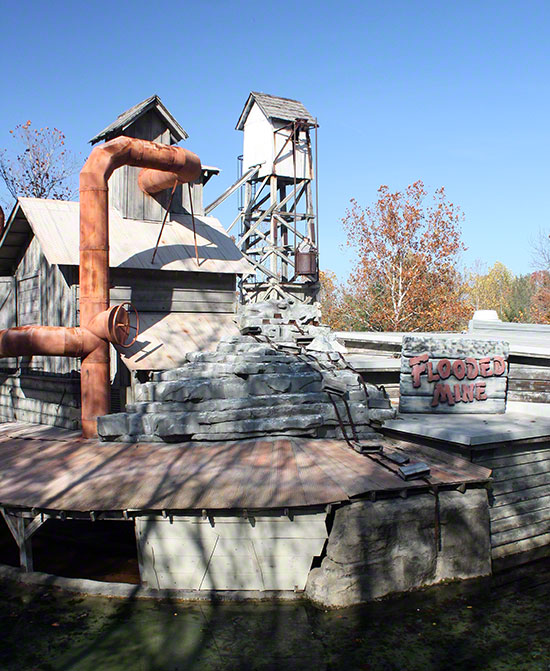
(540, 301)
(406, 277)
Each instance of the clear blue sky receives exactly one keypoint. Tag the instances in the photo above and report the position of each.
(453, 93)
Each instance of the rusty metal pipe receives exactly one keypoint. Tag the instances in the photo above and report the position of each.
(151, 181)
(94, 247)
(47, 340)
(109, 326)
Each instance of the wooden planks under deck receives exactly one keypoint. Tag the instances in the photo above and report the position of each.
(47, 468)
(520, 505)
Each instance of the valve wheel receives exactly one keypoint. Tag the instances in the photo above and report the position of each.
(120, 326)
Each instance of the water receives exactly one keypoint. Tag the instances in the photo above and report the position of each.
(491, 625)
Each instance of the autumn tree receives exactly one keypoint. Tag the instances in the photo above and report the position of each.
(408, 244)
(491, 290)
(540, 248)
(540, 302)
(340, 307)
(41, 166)
(330, 300)
(519, 306)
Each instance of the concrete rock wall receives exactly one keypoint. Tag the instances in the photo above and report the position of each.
(384, 547)
(245, 389)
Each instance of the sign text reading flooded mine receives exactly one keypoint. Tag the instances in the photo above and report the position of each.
(453, 374)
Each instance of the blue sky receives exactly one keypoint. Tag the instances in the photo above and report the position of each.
(455, 94)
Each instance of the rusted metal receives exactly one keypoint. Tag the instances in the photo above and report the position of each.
(194, 227)
(99, 324)
(94, 246)
(47, 340)
(112, 325)
(306, 262)
(188, 169)
(164, 220)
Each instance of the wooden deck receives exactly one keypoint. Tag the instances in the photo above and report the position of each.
(50, 469)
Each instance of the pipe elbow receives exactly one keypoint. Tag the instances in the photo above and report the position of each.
(104, 160)
(186, 167)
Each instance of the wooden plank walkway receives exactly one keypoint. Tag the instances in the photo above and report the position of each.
(46, 468)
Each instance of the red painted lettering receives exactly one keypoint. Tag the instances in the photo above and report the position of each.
(499, 365)
(459, 369)
(418, 367)
(485, 367)
(431, 375)
(456, 388)
(467, 393)
(480, 391)
(442, 393)
(444, 368)
(472, 369)
(421, 358)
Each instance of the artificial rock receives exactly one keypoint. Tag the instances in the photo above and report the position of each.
(246, 389)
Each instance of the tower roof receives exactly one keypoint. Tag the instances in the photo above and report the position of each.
(274, 107)
(128, 117)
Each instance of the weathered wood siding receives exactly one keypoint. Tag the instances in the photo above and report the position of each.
(165, 292)
(520, 502)
(124, 192)
(529, 380)
(46, 390)
(39, 389)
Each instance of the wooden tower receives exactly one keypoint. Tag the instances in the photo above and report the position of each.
(278, 232)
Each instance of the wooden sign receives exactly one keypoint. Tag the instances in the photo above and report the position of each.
(450, 373)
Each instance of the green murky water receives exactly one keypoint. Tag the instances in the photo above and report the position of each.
(498, 624)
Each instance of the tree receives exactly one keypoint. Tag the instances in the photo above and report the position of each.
(541, 277)
(540, 302)
(340, 308)
(330, 299)
(491, 291)
(406, 277)
(520, 300)
(42, 167)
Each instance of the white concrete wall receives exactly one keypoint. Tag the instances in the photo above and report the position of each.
(262, 553)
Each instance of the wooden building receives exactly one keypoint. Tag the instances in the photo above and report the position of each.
(278, 232)
(185, 303)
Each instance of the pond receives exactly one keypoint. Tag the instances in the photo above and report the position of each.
(502, 623)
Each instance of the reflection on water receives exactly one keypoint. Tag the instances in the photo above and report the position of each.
(496, 624)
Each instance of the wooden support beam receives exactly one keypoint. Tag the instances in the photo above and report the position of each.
(268, 251)
(264, 216)
(219, 200)
(273, 224)
(258, 266)
(290, 227)
(22, 530)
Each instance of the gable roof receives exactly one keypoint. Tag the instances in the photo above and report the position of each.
(56, 224)
(274, 107)
(125, 119)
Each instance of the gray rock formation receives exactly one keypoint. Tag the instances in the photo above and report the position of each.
(248, 388)
(375, 549)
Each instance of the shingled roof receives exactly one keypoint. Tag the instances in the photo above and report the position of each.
(274, 107)
(125, 119)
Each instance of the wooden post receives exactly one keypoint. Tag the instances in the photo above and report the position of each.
(284, 233)
(22, 530)
(273, 236)
(310, 214)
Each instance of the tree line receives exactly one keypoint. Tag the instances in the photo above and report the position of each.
(408, 276)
